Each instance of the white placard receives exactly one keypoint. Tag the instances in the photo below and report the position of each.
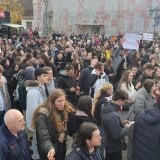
(131, 41)
(147, 36)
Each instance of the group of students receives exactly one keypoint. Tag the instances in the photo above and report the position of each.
(62, 96)
(56, 118)
(50, 121)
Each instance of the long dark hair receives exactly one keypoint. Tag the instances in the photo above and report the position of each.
(85, 105)
(124, 79)
(85, 132)
(148, 84)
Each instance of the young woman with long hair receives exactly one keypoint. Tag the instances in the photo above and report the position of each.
(50, 122)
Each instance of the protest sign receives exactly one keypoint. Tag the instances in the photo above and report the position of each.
(131, 41)
(147, 36)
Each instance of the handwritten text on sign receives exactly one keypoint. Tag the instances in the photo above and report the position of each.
(131, 41)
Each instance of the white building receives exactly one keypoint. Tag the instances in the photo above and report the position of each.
(82, 16)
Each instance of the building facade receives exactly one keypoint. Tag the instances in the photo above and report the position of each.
(27, 20)
(95, 16)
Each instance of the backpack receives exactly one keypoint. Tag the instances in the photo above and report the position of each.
(22, 94)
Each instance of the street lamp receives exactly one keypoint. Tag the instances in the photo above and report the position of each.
(155, 14)
(46, 21)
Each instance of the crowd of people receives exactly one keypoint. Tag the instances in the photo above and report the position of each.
(84, 86)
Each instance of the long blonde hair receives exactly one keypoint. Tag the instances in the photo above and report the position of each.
(49, 106)
(104, 89)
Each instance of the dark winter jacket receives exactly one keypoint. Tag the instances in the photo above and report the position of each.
(47, 136)
(98, 107)
(75, 120)
(65, 82)
(146, 135)
(82, 154)
(85, 79)
(113, 129)
(12, 147)
(144, 77)
(60, 64)
(22, 94)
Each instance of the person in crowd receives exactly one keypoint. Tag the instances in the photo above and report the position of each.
(60, 61)
(68, 83)
(27, 75)
(13, 139)
(157, 53)
(12, 83)
(146, 134)
(118, 62)
(53, 50)
(36, 95)
(44, 61)
(102, 58)
(144, 56)
(29, 69)
(5, 103)
(108, 69)
(6, 65)
(77, 67)
(145, 98)
(114, 129)
(50, 122)
(51, 80)
(85, 76)
(157, 73)
(147, 74)
(87, 141)
(87, 61)
(126, 84)
(83, 114)
(97, 78)
(108, 50)
(103, 96)
(153, 62)
(134, 70)
(133, 58)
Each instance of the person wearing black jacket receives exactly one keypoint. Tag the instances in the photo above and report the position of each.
(87, 140)
(13, 139)
(83, 114)
(102, 97)
(85, 77)
(146, 134)
(68, 83)
(114, 129)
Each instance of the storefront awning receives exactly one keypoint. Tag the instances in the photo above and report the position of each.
(12, 25)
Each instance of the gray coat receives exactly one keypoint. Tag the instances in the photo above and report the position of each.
(35, 97)
(143, 100)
